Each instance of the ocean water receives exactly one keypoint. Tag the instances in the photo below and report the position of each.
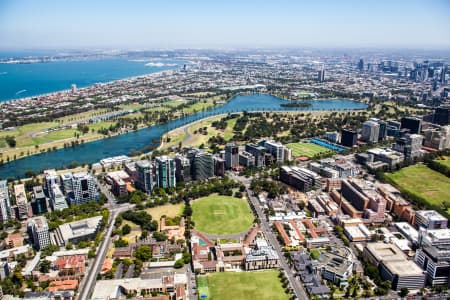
(25, 80)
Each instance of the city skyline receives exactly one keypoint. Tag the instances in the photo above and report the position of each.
(200, 24)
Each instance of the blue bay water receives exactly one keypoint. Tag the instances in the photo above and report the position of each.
(25, 80)
(123, 144)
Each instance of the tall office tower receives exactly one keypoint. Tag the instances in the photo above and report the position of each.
(442, 115)
(277, 150)
(443, 74)
(321, 75)
(231, 155)
(410, 145)
(433, 255)
(39, 231)
(182, 168)
(246, 159)
(361, 65)
(383, 130)
(349, 138)
(84, 189)
(57, 198)
(165, 172)
(413, 124)
(258, 152)
(202, 164)
(5, 204)
(219, 166)
(144, 176)
(370, 131)
(38, 201)
(21, 201)
(50, 179)
(67, 183)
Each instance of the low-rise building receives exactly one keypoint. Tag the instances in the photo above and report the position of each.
(77, 231)
(394, 265)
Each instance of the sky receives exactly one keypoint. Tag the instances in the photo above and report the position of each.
(132, 24)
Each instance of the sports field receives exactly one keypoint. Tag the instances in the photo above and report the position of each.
(221, 215)
(259, 285)
(420, 180)
(307, 149)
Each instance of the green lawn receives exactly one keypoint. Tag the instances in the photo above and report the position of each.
(221, 215)
(261, 285)
(420, 180)
(307, 149)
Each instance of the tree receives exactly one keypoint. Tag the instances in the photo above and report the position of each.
(44, 266)
(120, 243)
(126, 229)
(159, 236)
(179, 264)
(404, 292)
(69, 246)
(144, 253)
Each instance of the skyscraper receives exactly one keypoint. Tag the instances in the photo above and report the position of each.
(410, 145)
(361, 65)
(442, 115)
(202, 164)
(38, 201)
(57, 198)
(39, 231)
(165, 172)
(21, 201)
(84, 188)
(50, 179)
(231, 155)
(182, 168)
(349, 138)
(413, 124)
(258, 152)
(370, 131)
(144, 176)
(321, 75)
(5, 204)
(276, 149)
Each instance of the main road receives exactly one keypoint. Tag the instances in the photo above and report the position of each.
(95, 268)
(265, 226)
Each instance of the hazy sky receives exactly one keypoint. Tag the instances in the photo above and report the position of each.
(230, 23)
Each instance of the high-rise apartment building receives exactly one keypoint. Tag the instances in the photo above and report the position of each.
(165, 172)
(21, 201)
(231, 155)
(84, 188)
(182, 168)
(5, 202)
(39, 231)
(144, 176)
(370, 131)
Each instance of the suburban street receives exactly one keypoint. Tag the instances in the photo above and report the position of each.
(265, 226)
(102, 250)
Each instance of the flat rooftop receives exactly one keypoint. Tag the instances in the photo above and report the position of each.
(385, 252)
(431, 215)
(404, 268)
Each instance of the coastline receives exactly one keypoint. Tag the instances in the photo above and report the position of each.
(82, 88)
